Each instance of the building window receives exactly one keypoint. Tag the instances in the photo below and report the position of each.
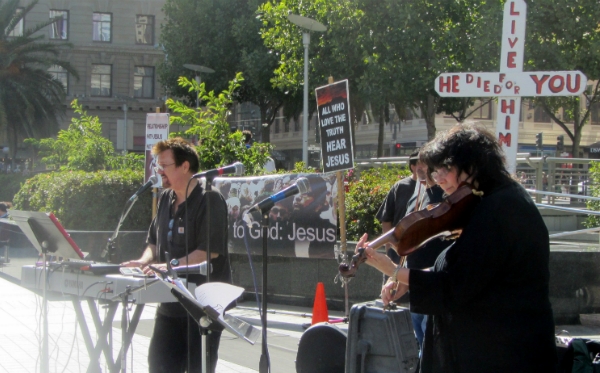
(143, 82)
(483, 112)
(144, 30)
(59, 29)
(540, 115)
(60, 74)
(18, 30)
(101, 80)
(286, 125)
(277, 125)
(595, 113)
(102, 27)
(296, 125)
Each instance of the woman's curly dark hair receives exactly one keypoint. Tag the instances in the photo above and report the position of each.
(471, 149)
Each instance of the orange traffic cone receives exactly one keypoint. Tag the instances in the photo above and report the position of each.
(320, 312)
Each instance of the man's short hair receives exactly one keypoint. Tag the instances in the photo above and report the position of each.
(182, 151)
(247, 136)
(4, 206)
(413, 158)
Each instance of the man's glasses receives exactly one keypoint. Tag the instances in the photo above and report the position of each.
(439, 174)
(161, 167)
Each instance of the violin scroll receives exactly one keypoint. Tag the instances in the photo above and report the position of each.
(349, 270)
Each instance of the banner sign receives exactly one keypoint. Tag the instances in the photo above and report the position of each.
(157, 129)
(333, 111)
(299, 226)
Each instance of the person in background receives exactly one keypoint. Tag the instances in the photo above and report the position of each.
(486, 297)
(269, 166)
(393, 207)
(247, 138)
(4, 206)
(206, 216)
(426, 193)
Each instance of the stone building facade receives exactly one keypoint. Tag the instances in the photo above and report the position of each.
(116, 53)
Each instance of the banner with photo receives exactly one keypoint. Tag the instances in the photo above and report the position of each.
(304, 225)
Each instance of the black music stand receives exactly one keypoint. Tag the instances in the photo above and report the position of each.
(207, 314)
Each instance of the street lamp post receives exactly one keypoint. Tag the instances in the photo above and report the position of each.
(125, 129)
(308, 25)
(126, 100)
(198, 69)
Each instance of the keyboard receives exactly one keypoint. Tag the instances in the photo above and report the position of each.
(97, 268)
(88, 285)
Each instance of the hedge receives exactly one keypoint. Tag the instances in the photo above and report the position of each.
(10, 185)
(364, 197)
(90, 201)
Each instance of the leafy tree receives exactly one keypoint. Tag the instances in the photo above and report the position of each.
(391, 51)
(335, 52)
(83, 148)
(30, 98)
(217, 145)
(229, 42)
(565, 35)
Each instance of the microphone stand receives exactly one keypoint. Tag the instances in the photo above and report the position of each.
(111, 244)
(205, 321)
(264, 364)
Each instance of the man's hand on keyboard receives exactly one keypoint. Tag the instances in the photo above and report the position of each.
(159, 266)
(138, 264)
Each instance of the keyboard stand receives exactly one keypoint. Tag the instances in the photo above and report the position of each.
(104, 330)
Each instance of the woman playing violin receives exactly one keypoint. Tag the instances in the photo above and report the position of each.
(487, 294)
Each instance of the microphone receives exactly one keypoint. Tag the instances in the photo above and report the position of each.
(301, 186)
(236, 169)
(192, 269)
(151, 181)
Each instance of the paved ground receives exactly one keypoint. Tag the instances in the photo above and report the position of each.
(21, 334)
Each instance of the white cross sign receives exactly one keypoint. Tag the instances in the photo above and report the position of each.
(511, 83)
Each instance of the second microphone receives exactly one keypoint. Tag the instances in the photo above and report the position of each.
(301, 186)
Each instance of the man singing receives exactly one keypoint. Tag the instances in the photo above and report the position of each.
(177, 161)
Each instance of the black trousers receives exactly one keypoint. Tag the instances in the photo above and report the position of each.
(169, 346)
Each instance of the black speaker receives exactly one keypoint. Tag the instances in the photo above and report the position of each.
(322, 349)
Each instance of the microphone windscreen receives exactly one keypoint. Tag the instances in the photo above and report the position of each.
(303, 185)
(239, 168)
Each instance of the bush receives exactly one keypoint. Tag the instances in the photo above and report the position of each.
(87, 201)
(594, 175)
(217, 144)
(11, 183)
(364, 197)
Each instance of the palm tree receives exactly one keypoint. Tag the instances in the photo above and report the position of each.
(31, 99)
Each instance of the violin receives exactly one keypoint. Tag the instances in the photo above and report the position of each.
(444, 220)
